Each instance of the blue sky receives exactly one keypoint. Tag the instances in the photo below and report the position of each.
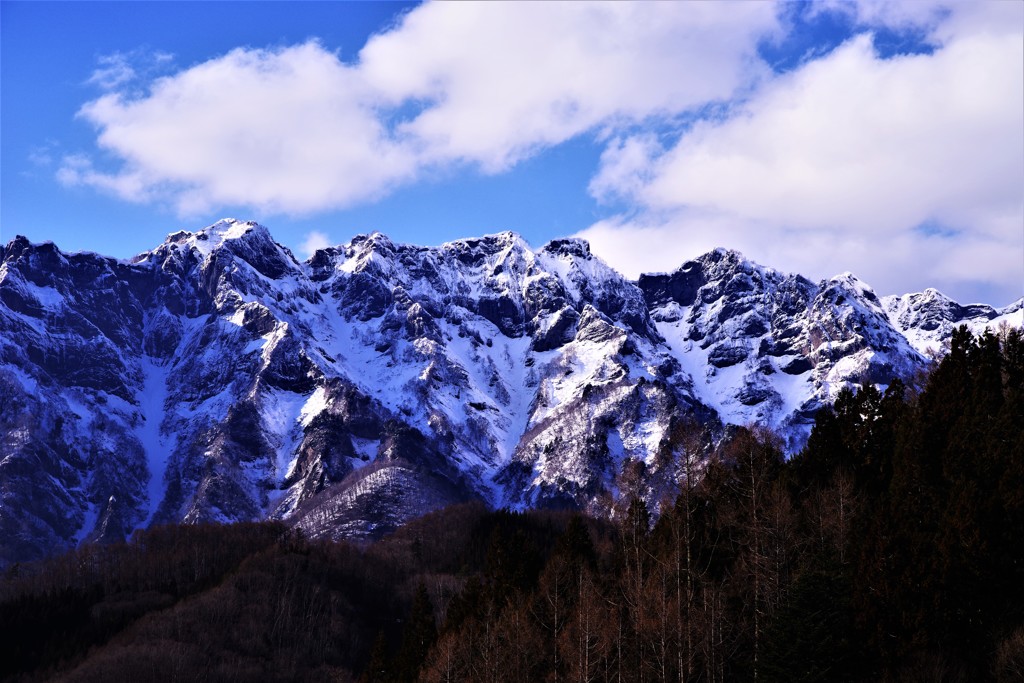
(886, 139)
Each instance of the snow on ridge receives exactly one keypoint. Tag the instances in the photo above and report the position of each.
(928, 318)
(850, 280)
(507, 238)
(516, 367)
(207, 240)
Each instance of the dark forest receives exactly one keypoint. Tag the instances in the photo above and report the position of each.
(890, 548)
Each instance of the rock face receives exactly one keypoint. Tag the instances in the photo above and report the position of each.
(928, 318)
(216, 378)
(768, 348)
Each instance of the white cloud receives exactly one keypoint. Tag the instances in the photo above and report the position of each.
(282, 131)
(837, 165)
(314, 241)
(625, 167)
(44, 155)
(501, 79)
(296, 131)
(112, 71)
(118, 70)
(833, 166)
(899, 15)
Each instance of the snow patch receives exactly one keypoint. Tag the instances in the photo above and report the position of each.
(282, 413)
(152, 404)
(314, 405)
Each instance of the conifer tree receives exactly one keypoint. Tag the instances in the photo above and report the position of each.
(378, 669)
(417, 638)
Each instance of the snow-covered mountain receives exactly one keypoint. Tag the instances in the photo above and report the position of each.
(216, 378)
(927, 319)
(769, 348)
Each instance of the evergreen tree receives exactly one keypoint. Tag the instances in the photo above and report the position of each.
(378, 669)
(810, 638)
(417, 638)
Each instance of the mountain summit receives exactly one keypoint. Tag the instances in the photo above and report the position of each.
(217, 378)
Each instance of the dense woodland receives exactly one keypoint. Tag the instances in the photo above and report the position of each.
(891, 548)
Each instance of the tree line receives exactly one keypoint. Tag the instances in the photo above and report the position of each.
(890, 548)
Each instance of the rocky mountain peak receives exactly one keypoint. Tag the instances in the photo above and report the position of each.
(208, 239)
(490, 254)
(216, 378)
(14, 248)
(928, 318)
(574, 247)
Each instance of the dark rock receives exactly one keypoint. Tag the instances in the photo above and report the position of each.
(257, 248)
(595, 327)
(725, 355)
(680, 286)
(751, 395)
(257, 320)
(362, 296)
(568, 247)
(321, 264)
(560, 329)
(503, 312)
(289, 367)
(163, 335)
(796, 366)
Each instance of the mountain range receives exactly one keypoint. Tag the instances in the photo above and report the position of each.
(217, 378)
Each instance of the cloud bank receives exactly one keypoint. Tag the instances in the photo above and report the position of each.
(296, 130)
(906, 169)
(849, 162)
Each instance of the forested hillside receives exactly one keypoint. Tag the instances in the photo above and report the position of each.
(890, 548)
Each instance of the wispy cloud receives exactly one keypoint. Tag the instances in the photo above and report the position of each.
(115, 71)
(44, 155)
(314, 241)
(502, 80)
(112, 71)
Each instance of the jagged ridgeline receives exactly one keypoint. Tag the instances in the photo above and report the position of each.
(217, 378)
